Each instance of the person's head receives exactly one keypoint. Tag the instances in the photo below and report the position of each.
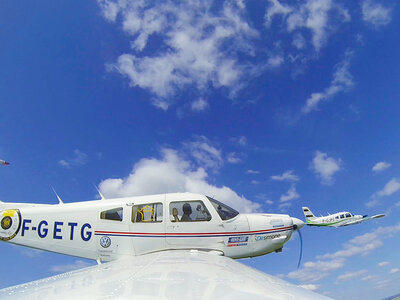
(187, 209)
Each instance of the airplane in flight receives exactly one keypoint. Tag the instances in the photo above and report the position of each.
(167, 246)
(3, 162)
(339, 219)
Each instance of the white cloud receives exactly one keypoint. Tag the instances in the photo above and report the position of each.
(383, 263)
(311, 287)
(325, 167)
(290, 195)
(313, 15)
(276, 8)
(199, 105)
(368, 277)
(390, 188)
(380, 166)
(394, 270)
(286, 176)
(193, 36)
(350, 275)
(79, 159)
(359, 245)
(232, 158)
(342, 81)
(375, 13)
(171, 173)
(78, 264)
(309, 271)
(252, 171)
(204, 153)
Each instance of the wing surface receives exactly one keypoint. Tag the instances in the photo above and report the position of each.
(176, 274)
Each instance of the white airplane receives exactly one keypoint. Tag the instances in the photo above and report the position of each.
(3, 162)
(339, 219)
(168, 246)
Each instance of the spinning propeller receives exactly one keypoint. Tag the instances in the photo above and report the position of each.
(297, 225)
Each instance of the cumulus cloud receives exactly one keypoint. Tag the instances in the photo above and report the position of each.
(342, 81)
(350, 275)
(325, 167)
(380, 166)
(308, 272)
(390, 188)
(171, 173)
(78, 159)
(286, 176)
(375, 13)
(193, 36)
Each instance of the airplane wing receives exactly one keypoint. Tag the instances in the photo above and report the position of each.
(365, 218)
(174, 274)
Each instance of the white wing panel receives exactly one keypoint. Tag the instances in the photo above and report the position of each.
(171, 275)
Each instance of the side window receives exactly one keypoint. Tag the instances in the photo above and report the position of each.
(147, 213)
(337, 217)
(342, 216)
(114, 214)
(348, 215)
(188, 211)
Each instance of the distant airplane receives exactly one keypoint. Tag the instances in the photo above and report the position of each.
(167, 246)
(3, 162)
(336, 220)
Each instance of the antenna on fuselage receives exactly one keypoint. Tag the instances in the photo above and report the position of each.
(58, 197)
(101, 195)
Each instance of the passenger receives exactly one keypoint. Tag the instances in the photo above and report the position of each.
(187, 211)
(175, 214)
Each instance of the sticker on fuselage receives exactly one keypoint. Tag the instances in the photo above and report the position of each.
(105, 241)
(235, 241)
(266, 237)
(10, 223)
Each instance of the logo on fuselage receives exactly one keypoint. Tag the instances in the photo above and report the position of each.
(10, 224)
(105, 241)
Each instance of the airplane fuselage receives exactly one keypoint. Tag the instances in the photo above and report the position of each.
(106, 230)
(335, 220)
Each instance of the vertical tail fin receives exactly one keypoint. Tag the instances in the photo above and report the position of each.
(308, 213)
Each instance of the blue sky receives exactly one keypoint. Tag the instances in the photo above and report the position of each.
(266, 105)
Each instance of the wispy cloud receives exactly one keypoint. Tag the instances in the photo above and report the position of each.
(380, 166)
(252, 172)
(78, 159)
(350, 275)
(233, 158)
(394, 270)
(78, 264)
(360, 245)
(325, 167)
(383, 264)
(286, 176)
(375, 13)
(199, 105)
(206, 154)
(342, 81)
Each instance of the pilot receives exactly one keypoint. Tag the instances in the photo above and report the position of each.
(187, 211)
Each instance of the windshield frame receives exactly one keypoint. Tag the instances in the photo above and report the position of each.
(224, 211)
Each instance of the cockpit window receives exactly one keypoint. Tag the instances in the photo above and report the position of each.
(348, 215)
(147, 213)
(188, 211)
(114, 214)
(224, 211)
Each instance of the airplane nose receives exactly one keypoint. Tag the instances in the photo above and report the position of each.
(297, 223)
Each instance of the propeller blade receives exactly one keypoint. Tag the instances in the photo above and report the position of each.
(301, 248)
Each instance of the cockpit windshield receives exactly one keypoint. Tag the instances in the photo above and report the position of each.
(224, 211)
